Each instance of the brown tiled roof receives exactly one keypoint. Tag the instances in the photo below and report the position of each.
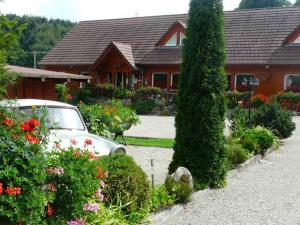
(126, 51)
(37, 73)
(251, 36)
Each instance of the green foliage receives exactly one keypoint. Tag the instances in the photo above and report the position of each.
(9, 33)
(149, 92)
(110, 118)
(121, 93)
(85, 95)
(262, 137)
(74, 186)
(200, 142)
(250, 4)
(237, 154)
(39, 35)
(22, 166)
(160, 198)
(274, 117)
(180, 189)
(127, 181)
(104, 90)
(235, 98)
(63, 93)
(144, 107)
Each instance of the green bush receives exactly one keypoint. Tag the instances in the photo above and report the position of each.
(144, 107)
(63, 93)
(103, 90)
(262, 137)
(237, 154)
(274, 117)
(127, 183)
(85, 95)
(149, 92)
(234, 98)
(160, 198)
(180, 189)
(74, 183)
(122, 93)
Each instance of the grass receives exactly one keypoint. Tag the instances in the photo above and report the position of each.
(149, 142)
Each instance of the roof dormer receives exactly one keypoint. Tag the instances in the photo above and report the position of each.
(174, 36)
(294, 37)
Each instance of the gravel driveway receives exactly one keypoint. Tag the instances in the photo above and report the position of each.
(162, 158)
(267, 193)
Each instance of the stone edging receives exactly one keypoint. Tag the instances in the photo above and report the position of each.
(162, 217)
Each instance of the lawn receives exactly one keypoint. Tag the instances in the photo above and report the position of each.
(149, 142)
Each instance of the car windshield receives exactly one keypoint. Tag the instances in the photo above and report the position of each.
(60, 118)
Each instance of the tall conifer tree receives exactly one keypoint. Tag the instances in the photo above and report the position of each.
(201, 102)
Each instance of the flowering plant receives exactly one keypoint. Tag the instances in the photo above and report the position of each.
(77, 183)
(22, 168)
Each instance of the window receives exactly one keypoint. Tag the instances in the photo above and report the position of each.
(182, 37)
(297, 41)
(242, 81)
(174, 81)
(173, 41)
(160, 80)
(292, 83)
(109, 78)
(120, 80)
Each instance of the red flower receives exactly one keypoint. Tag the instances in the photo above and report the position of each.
(50, 210)
(32, 139)
(13, 191)
(1, 188)
(88, 142)
(77, 154)
(100, 172)
(8, 122)
(30, 125)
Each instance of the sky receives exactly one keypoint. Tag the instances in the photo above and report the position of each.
(78, 10)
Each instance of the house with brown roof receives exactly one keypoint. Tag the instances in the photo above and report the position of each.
(147, 51)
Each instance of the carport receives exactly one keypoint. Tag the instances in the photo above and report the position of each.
(40, 84)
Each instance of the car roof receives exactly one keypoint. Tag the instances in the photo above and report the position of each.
(33, 102)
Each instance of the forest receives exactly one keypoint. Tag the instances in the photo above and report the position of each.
(38, 35)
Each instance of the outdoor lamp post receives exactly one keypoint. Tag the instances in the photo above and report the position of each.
(251, 84)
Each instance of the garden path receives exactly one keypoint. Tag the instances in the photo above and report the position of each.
(153, 127)
(266, 193)
(157, 127)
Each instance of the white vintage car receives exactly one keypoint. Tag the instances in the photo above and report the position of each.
(67, 126)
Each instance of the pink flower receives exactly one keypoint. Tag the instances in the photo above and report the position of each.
(99, 194)
(91, 207)
(55, 170)
(103, 185)
(76, 222)
(74, 142)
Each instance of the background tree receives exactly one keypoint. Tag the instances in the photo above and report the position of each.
(201, 103)
(40, 35)
(9, 33)
(297, 3)
(250, 4)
